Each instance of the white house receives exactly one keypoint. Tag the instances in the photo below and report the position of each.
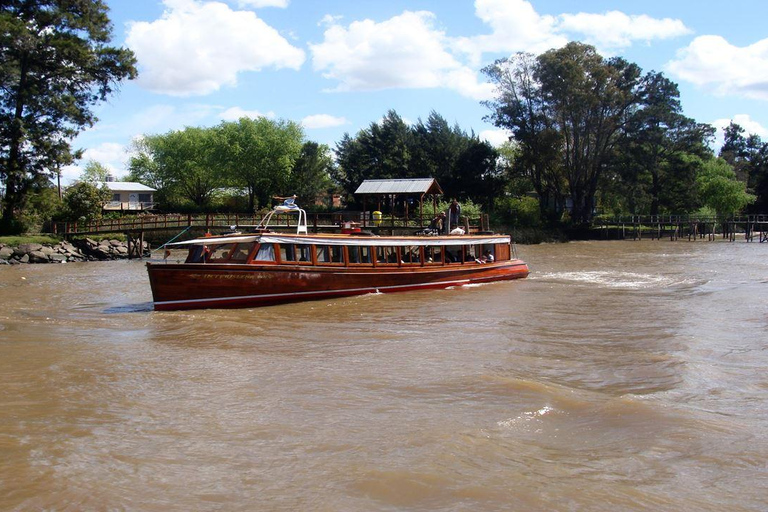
(128, 195)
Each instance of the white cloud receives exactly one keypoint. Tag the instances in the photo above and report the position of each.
(713, 63)
(235, 113)
(323, 121)
(517, 26)
(196, 47)
(614, 29)
(405, 51)
(111, 155)
(495, 137)
(258, 4)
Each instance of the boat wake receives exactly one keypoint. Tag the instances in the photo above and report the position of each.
(614, 279)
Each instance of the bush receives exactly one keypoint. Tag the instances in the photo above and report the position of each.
(519, 212)
(84, 201)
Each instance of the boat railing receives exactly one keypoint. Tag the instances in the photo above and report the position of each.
(301, 226)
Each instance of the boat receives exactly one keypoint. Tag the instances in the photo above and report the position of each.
(265, 268)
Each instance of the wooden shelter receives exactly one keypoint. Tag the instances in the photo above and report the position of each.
(392, 189)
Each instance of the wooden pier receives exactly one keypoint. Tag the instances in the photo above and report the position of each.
(749, 228)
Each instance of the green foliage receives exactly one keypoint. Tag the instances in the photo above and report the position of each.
(182, 165)
(84, 201)
(749, 158)
(94, 172)
(468, 208)
(311, 173)
(720, 190)
(463, 165)
(569, 100)
(55, 64)
(258, 155)
(203, 169)
(519, 211)
(15, 241)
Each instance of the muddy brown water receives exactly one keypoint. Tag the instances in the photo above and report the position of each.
(618, 376)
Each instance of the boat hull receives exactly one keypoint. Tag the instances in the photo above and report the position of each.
(197, 286)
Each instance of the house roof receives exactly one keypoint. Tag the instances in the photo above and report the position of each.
(127, 186)
(411, 186)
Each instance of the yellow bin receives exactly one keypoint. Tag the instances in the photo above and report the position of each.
(377, 218)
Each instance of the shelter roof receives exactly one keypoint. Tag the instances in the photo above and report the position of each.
(127, 186)
(410, 186)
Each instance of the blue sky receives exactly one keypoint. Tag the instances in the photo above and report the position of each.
(337, 66)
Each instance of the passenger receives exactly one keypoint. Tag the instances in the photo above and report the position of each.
(436, 226)
(488, 257)
(454, 211)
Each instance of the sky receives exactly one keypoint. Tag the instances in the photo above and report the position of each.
(336, 66)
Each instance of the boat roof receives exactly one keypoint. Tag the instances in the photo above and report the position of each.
(350, 240)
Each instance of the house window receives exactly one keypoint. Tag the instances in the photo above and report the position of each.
(145, 198)
(116, 198)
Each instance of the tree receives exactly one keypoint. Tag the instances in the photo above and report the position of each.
(749, 158)
(182, 164)
(570, 101)
(258, 155)
(95, 172)
(520, 108)
(55, 64)
(649, 157)
(85, 201)
(720, 189)
(310, 175)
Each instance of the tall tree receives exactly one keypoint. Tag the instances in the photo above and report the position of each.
(310, 175)
(657, 134)
(55, 64)
(520, 108)
(575, 101)
(258, 155)
(749, 158)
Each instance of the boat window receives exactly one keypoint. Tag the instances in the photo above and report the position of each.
(195, 254)
(240, 252)
(471, 254)
(410, 254)
(329, 254)
(453, 254)
(219, 252)
(287, 253)
(322, 254)
(359, 254)
(433, 254)
(266, 253)
(337, 254)
(302, 253)
(386, 255)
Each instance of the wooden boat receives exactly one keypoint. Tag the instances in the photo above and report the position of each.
(264, 268)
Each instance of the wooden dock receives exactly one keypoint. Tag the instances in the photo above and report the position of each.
(749, 228)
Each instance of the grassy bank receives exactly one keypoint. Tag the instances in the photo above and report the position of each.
(15, 241)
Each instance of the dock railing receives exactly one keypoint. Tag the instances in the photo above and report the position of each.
(316, 222)
(691, 227)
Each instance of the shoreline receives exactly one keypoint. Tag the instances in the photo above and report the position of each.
(78, 250)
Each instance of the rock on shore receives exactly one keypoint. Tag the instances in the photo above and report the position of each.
(78, 250)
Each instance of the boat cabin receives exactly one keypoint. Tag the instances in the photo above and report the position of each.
(362, 252)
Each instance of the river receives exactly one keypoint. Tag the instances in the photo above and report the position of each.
(618, 376)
